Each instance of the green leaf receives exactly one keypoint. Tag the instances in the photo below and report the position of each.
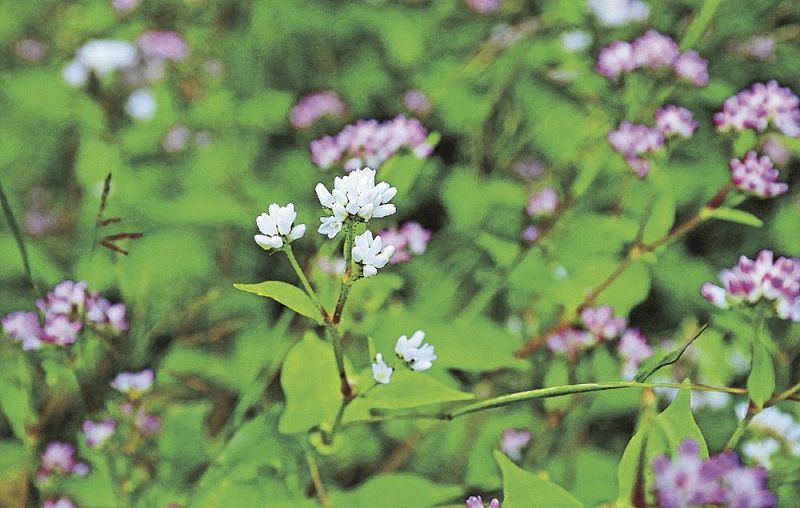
(310, 382)
(408, 389)
(678, 423)
(399, 490)
(15, 395)
(733, 215)
(523, 489)
(651, 366)
(286, 294)
(662, 216)
(761, 381)
(630, 466)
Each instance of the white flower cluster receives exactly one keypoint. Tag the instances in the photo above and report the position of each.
(354, 195)
(371, 253)
(412, 352)
(277, 227)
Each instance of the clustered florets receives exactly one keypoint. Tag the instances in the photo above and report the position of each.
(477, 502)
(756, 176)
(354, 196)
(634, 141)
(597, 325)
(411, 351)
(65, 311)
(59, 458)
(370, 253)
(633, 349)
(277, 227)
(312, 107)
(652, 50)
(776, 429)
(370, 143)
(759, 105)
(765, 279)
(688, 480)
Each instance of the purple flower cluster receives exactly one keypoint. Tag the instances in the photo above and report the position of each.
(598, 324)
(410, 239)
(477, 502)
(514, 441)
(543, 202)
(66, 310)
(61, 502)
(59, 458)
(652, 50)
(634, 349)
(755, 175)
(312, 107)
(370, 143)
(759, 105)
(633, 141)
(764, 279)
(133, 383)
(675, 120)
(688, 480)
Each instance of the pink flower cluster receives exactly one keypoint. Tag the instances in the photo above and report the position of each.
(477, 502)
(688, 480)
(652, 50)
(98, 433)
(370, 143)
(755, 175)
(410, 239)
(59, 458)
(597, 325)
(759, 105)
(66, 309)
(310, 108)
(61, 502)
(513, 442)
(633, 141)
(776, 281)
(484, 6)
(634, 349)
(133, 383)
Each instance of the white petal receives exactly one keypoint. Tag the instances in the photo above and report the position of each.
(384, 211)
(325, 197)
(297, 232)
(263, 241)
(369, 270)
(365, 212)
(417, 338)
(266, 224)
(389, 194)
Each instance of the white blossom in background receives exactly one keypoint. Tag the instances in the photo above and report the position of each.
(618, 12)
(277, 227)
(761, 451)
(133, 383)
(575, 40)
(381, 372)
(354, 195)
(371, 253)
(513, 442)
(101, 56)
(141, 105)
(414, 353)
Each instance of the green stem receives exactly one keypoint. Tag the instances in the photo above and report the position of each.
(788, 393)
(559, 391)
(347, 278)
(316, 478)
(12, 224)
(752, 409)
(699, 23)
(304, 280)
(739, 432)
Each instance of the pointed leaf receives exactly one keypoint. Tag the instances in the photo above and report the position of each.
(286, 294)
(678, 423)
(523, 489)
(761, 381)
(733, 215)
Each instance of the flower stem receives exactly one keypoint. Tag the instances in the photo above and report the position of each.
(304, 280)
(316, 478)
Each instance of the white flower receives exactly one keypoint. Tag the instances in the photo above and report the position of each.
(354, 195)
(413, 352)
(106, 56)
(141, 105)
(381, 372)
(277, 227)
(619, 12)
(133, 382)
(575, 40)
(371, 253)
(75, 74)
(761, 451)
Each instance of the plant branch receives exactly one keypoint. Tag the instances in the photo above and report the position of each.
(316, 478)
(304, 280)
(12, 224)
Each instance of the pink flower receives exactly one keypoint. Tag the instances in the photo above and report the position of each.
(759, 105)
(762, 279)
(756, 176)
(654, 50)
(634, 140)
(61, 502)
(675, 121)
(570, 341)
(417, 102)
(312, 107)
(59, 458)
(543, 202)
(133, 383)
(530, 234)
(634, 349)
(601, 323)
(163, 45)
(409, 240)
(477, 502)
(615, 59)
(514, 441)
(24, 327)
(59, 329)
(688, 480)
(484, 6)
(98, 433)
(692, 67)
